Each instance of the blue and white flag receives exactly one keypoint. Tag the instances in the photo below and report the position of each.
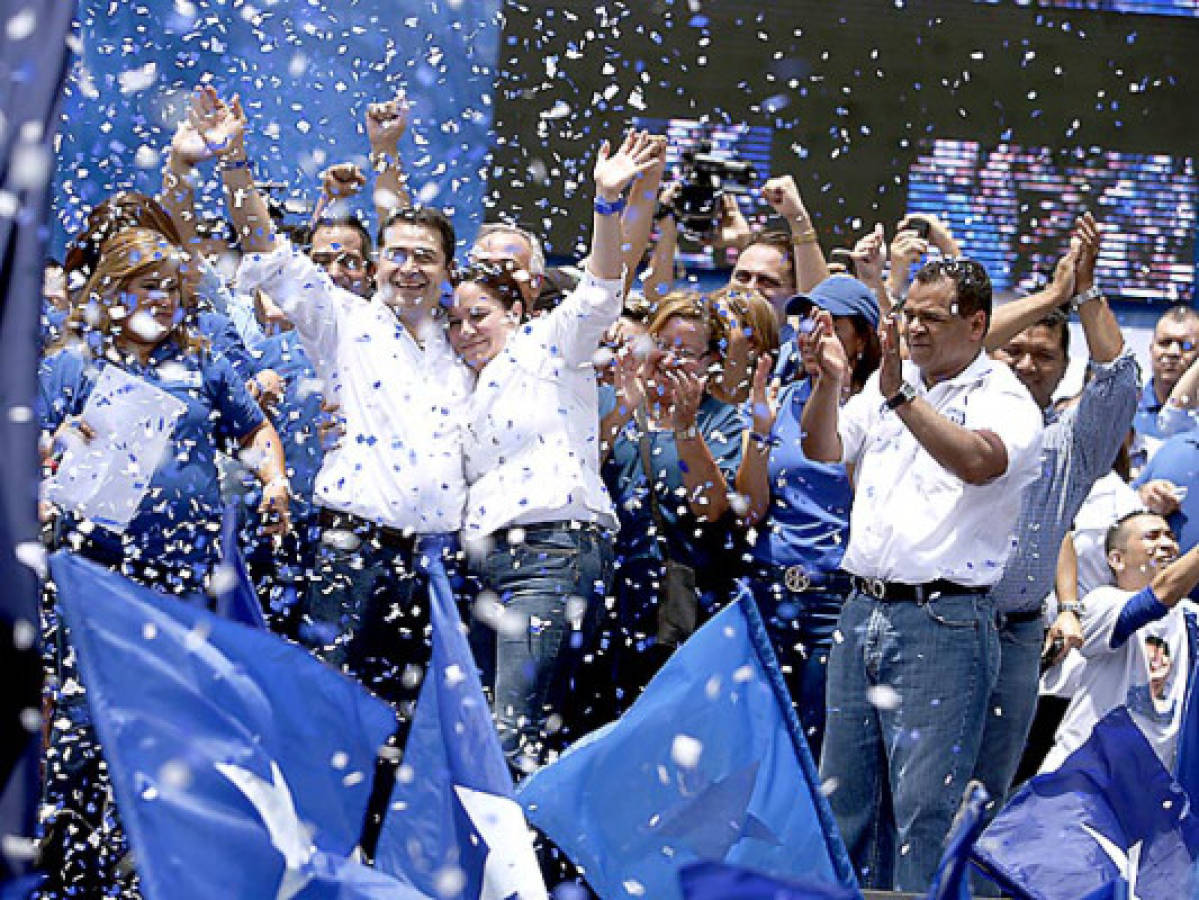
(1111, 822)
(952, 878)
(236, 598)
(708, 764)
(453, 827)
(240, 764)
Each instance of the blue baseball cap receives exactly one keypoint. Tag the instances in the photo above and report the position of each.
(839, 295)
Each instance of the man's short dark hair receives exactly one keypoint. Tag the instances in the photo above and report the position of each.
(780, 241)
(426, 217)
(346, 221)
(1058, 320)
(972, 284)
(1117, 536)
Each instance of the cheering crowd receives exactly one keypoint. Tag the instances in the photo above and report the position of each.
(873, 451)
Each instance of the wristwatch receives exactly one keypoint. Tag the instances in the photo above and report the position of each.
(690, 433)
(905, 394)
(1091, 293)
(1074, 606)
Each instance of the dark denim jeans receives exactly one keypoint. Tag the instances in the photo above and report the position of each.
(361, 614)
(800, 626)
(907, 691)
(551, 586)
(1010, 712)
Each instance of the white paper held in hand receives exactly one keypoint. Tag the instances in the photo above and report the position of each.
(105, 479)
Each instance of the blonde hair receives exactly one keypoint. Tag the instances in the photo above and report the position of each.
(689, 305)
(123, 257)
(754, 312)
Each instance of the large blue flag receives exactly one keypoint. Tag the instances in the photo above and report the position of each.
(33, 63)
(1110, 822)
(240, 764)
(453, 827)
(952, 878)
(720, 881)
(708, 764)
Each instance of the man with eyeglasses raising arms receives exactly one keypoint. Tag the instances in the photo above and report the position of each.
(941, 446)
(397, 472)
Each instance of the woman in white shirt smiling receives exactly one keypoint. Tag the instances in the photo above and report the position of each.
(538, 516)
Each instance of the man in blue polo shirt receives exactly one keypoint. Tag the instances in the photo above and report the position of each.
(1078, 447)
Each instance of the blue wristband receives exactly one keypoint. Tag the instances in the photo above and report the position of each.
(236, 164)
(604, 208)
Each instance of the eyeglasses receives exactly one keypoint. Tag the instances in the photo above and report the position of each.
(683, 354)
(350, 261)
(400, 255)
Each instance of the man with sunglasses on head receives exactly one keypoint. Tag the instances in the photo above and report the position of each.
(941, 446)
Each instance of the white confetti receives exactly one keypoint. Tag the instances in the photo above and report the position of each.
(685, 751)
(883, 696)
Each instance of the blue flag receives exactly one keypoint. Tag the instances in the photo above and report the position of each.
(720, 881)
(453, 827)
(1187, 771)
(33, 64)
(1110, 822)
(952, 878)
(236, 598)
(240, 764)
(708, 764)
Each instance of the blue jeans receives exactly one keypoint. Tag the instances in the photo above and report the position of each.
(899, 759)
(552, 587)
(1010, 711)
(800, 626)
(360, 614)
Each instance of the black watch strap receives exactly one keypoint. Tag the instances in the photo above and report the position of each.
(905, 394)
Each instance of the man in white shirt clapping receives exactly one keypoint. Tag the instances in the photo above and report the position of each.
(940, 446)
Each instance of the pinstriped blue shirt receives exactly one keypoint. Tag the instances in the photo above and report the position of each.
(1078, 447)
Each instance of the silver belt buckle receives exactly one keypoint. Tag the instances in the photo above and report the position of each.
(797, 579)
(875, 587)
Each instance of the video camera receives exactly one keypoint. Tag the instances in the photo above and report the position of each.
(706, 178)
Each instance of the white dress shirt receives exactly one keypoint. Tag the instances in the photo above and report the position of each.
(913, 521)
(399, 462)
(532, 443)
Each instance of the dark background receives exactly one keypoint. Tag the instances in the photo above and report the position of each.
(854, 88)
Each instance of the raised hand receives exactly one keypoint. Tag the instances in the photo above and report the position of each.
(1087, 239)
(342, 180)
(626, 378)
(783, 197)
(764, 395)
(220, 125)
(615, 171)
(187, 147)
(387, 122)
(906, 248)
(823, 354)
(684, 393)
(890, 370)
(870, 254)
(733, 230)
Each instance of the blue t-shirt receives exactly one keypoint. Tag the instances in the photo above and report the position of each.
(226, 342)
(808, 519)
(180, 515)
(689, 541)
